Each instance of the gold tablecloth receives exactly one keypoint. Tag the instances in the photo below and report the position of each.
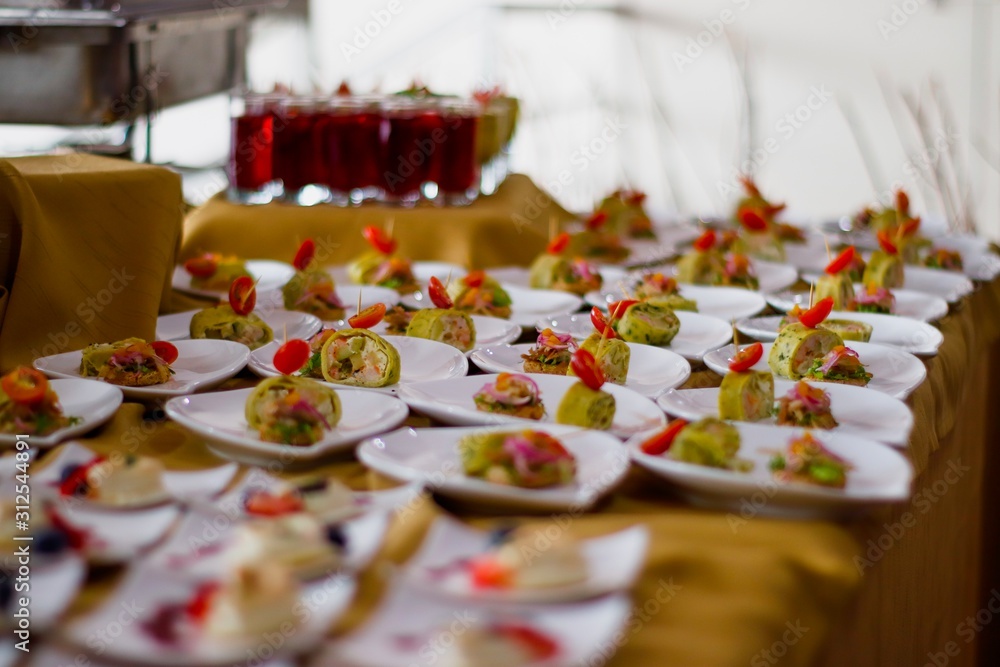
(715, 591)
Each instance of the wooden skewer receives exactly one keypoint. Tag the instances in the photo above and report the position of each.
(736, 337)
(359, 300)
(826, 242)
(811, 286)
(389, 224)
(553, 227)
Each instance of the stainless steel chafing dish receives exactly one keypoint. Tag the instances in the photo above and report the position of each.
(80, 62)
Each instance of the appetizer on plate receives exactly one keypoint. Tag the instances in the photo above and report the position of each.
(873, 299)
(298, 542)
(511, 394)
(836, 281)
(807, 461)
(758, 228)
(849, 329)
(841, 364)
(551, 353)
(215, 272)
(499, 644)
(707, 442)
(746, 394)
(235, 321)
(584, 403)
(553, 269)
(514, 561)
(358, 357)
(292, 410)
(311, 290)
(663, 291)
(122, 481)
(627, 215)
(129, 363)
(885, 268)
(381, 265)
(29, 406)
(800, 344)
(444, 323)
(397, 319)
(326, 499)
(637, 322)
(479, 294)
(806, 406)
(704, 263)
(942, 258)
(612, 354)
(596, 241)
(528, 459)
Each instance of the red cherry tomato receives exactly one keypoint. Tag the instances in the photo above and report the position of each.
(746, 358)
(305, 254)
(539, 645)
(368, 317)
(586, 368)
(616, 310)
(558, 244)
(909, 227)
(243, 295)
(596, 221)
(76, 481)
(200, 603)
(474, 279)
(268, 504)
(24, 385)
(819, 312)
(601, 323)
(705, 241)
(886, 243)
(662, 441)
(841, 261)
(438, 293)
(165, 350)
(486, 572)
(752, 220)
(902, 201)
(292, 356)
(202, 267)
(379, 240)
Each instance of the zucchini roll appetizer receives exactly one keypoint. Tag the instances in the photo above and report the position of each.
(842, 365)
(129, 363)
(942, 258)
(478, 294)
(647, 323)
(359, 358)
(627, 215)
(584, 404)
(529, 459)
(806, 406)
(884, 270)
(598, 241)
(874, 299)
(292, 410)
(381, 266)
(837, 286)
(663, 291)
(212, 271)
(739, 272)
(551, 353)
(566, 275)
(707, 442)
(449, 326)
(807, 461)
(313, 291)
(698, 267)
(612, 356)
(28, 405)
(849, 329)
(746, 396)
(513, 395)
(223, 323)
(797, 347)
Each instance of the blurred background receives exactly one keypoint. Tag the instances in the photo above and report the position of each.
(830, 105)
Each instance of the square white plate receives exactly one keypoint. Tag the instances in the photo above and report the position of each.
(91, 404)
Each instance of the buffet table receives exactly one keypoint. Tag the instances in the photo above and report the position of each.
(717, 588)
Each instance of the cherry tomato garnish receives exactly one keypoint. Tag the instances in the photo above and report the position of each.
(165, 350)
(841, 261)
(292, 356)
(264, 503)
(601, 323)
(752, 220)
(596, 221)
(474, 279)
(705, 241)
(486, 572)
(586, 368)
(886, 243)
(661, 442)
(75, 482)
(909, 227)
(202, 267)
(616, 310)
(438, 293)
(819, 312)
(539, 645)
(24, 385)
(368, 317)
(379, 240)
(902, 201)
(198, 606)
(558, 244)
(746, 358)
(304, 255)
(243, 295)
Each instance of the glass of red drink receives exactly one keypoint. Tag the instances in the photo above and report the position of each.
(352, 144)
(252, 139)
(411, 155)
(458, 175)
(298, 155)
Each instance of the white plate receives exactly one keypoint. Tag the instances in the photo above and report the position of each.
(422, 271)
(697, 336)
(144, 592)
(284, 323)
(409, 624)
(978, 261)
(219, 418)
(727, 303)
(895, 372)
(913, 336)
(199, 547)
(200, 364)
(914, 305)
(526, 305)
(951, 286)
(489, 330)
(179, 485)
(51, 655)
(772, 277)
(430, 456)
(53, 585)
(450, 401)
(880, 475)
(92, 404)
(520, 276)
(269, 274)
(858, 411)
(651, 370)
(440, 567)
(114, 538)
(420, 360)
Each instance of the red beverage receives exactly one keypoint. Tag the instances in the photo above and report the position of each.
(352, 141)
(250, 154)
(298, 146)
(412, 148)
(459, 172)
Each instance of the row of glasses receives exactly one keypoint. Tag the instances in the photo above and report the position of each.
(348, 149)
